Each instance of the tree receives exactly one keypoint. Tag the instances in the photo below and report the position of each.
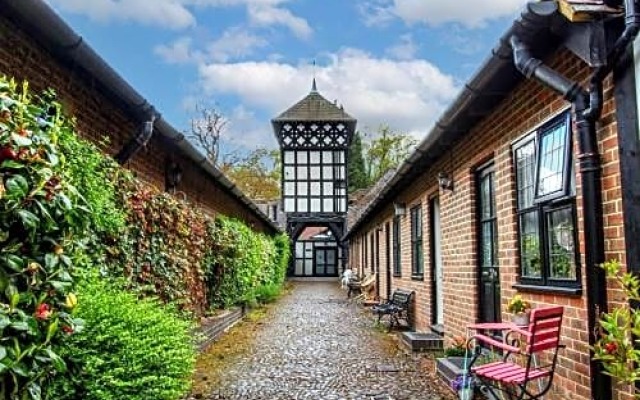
(386, 150)
(207, 128)
(256, 174)
(358, 178)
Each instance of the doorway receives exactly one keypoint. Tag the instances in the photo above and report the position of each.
(488, 271)
(437, 269)
(325, 261)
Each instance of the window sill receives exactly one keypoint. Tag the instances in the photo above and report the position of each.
(567, 291)
(397, 275)
(417, 277)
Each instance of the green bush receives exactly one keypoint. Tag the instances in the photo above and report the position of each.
(268, 293)
(130, 349)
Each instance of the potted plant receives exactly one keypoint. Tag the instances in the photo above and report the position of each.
(520, 309)
(463, 385)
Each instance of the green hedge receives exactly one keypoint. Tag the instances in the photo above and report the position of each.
(130, 348)
(66, 208)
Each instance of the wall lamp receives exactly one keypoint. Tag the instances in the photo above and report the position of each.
(399, 209)
(173, 176)
(445, 181)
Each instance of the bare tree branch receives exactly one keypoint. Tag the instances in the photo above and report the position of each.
(206, 128)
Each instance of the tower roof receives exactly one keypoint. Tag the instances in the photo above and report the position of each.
(314, 107)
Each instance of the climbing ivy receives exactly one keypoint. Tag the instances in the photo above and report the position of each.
(241, 261)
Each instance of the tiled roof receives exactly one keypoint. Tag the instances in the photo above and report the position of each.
(314, 107)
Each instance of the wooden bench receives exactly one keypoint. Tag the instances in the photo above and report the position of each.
(396, 308)
(360, 285)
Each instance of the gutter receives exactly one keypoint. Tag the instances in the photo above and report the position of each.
(59, 38)
(588, 108)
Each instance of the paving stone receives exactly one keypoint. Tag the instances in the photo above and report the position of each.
(319, 346)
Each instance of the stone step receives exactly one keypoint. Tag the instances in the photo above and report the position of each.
(416, 341)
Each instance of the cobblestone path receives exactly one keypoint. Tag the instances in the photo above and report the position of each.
(316, 345)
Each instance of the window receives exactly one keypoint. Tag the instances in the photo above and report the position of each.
(397, 255)
(417, 257)
(372, 254)
(313, 181)
(546, 206)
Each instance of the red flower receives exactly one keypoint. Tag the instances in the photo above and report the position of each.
(67, 329)
(43, 311)
(611, 347)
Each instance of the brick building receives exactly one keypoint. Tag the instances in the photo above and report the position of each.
(38, 46)
(505, 195)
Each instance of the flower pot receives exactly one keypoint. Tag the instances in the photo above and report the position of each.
(465, 393)
(521, 319)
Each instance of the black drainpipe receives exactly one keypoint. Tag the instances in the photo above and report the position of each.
(587, 107)
(138, 141)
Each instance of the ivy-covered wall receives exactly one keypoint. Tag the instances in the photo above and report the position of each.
(69, 214)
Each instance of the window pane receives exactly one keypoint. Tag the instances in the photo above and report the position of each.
(327, 157)
(289, 205)
(315, 189)
(303, 205)
(327, 173)
(487, 244)
(315, 205)
(327, 188)
(328, 205)
(314, 157)
(553, 147)
(289, 157)
(302, 157)
(303, 188)
(289, 173)
(561, 246)
(530, 255)
(303, 173)
(299, 249)
(289, 188)
(525, 174)
(314, 172)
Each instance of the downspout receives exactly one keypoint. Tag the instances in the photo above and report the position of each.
(138, 141)
(587, 107)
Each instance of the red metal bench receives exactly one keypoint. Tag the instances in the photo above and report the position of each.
(536, 346)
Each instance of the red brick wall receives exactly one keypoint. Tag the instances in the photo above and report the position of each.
(99, 117)
(528, 106)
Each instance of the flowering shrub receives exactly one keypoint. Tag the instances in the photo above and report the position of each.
(617, 348)
(517, 305)
(457, 348)
(42, 218)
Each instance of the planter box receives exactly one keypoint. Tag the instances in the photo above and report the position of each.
(449, 368)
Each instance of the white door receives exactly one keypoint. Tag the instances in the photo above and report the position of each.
(438, 270)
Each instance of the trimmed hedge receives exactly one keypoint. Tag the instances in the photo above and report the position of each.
(130, 349)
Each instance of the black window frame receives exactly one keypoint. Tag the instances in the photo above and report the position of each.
(539, 210)
(417, 248)
(565, 189)
(397, 252)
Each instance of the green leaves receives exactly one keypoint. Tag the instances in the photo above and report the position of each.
(38, 211)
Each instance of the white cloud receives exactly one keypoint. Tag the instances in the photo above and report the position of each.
(235, 43)
(406, 49)
(177, 52)
(436, 12)
(267, 15)
(177, 14)
(408, 95)
(167, 13)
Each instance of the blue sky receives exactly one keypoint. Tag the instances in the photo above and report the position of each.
(399, 62)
